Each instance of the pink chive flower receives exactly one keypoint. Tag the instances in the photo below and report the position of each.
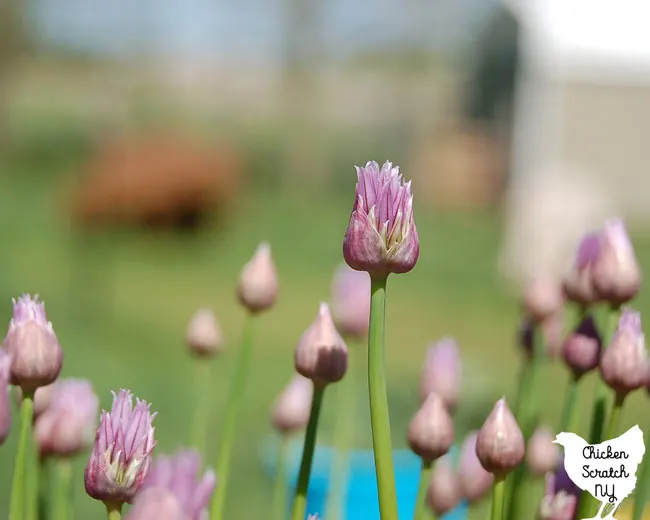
(31, 341)
(351, 302)
(67, 426)
(121, 455)
(381, 237)
(156, 503)
(179, 475)
(5, 400)
(560, 501)
(578, 284)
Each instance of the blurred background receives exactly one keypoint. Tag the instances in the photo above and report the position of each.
(146, 148)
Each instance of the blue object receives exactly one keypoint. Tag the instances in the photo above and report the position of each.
(361, 501)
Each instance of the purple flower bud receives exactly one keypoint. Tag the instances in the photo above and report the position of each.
(158, 503)
(321, 354)
(616, 273)
(542, 298)
(578, 284)
(351, 301)
(68, 425)
(258, 282)
(5, 400)
(474, 480)
(179, 474)
(444, 491)
(31, 341)
(381, 237)
(582, 347)
(624, 364)
(552, 331)
(293, 406)
(442, 373)
(560, 501)
(431, 431)
(542, 452)
(121, 455)
(500, 443)
(203, 336)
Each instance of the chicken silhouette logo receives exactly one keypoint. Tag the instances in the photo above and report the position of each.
(606, 470)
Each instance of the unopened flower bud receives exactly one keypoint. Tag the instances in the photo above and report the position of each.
(431, 431)
(31, 341)
(351, 301)
(5, 400)
(258, 282)
(158, 503)
(321, 354)
(444, 490)
(204, 337)
(542, 453)
(582, 347)
(68, 425)
(474, 480)
(381, 237)
(442, 373)
(500, 444)
(542, 298)
(616, 273)
(293, 406)
(624, 363)
(551, 331)
(578, 284)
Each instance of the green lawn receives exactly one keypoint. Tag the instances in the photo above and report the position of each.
(120, 305)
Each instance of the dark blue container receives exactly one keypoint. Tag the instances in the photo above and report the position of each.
(360, 502)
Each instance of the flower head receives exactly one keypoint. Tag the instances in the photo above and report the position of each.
(542, 453)
(582, 347)
(321, 354)
(5, 401)
(442, 372)
(616, 273)
(500, 443)
(179, 475)
(560, 501)
(474, 480)
(258, 281)
(381, 237)
(68, 425)
(121, 455)
(444, 490)
(292, 408)
(624, 363)
(431, 431)
(156, 503)
(32, 343)
(351, 301)
(203, 336)
(578, 284)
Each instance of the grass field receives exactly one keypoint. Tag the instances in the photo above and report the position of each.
(120, 305)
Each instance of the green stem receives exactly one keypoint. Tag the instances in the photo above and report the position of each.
(643, 487)
(233, 405)
(569, 420)
(615, 417)
(379, 417)
(43, 489)
(33, 483)
(113, 510)
(280, 484)
(300, 498)
(62, 495)
(498, 497)
(201, 419)
(421, 503)
(17, 504)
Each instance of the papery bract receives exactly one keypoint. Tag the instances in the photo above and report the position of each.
(381, 237)
(442, 372)
(204, 337)
(444, 490)
(431, 431)
(5, 400)
(500, 444)
(121, 454)
(351, 301)
(258, 282)
(292, 408)
(179, 474)
(31, 341)
(578, 284)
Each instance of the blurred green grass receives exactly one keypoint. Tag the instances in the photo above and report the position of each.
(120, 304)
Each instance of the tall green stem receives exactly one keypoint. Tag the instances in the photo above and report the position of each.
(569, 420)
(498, 498)
(643, 486)
(17, 504)
(280, 484)
(229, 430)
(113, 510)
(201, 419)
(379, 417)
(33, 483)
(421, 503)
(615, 417)
(62, 491)
(300, 498)
(44, 494)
